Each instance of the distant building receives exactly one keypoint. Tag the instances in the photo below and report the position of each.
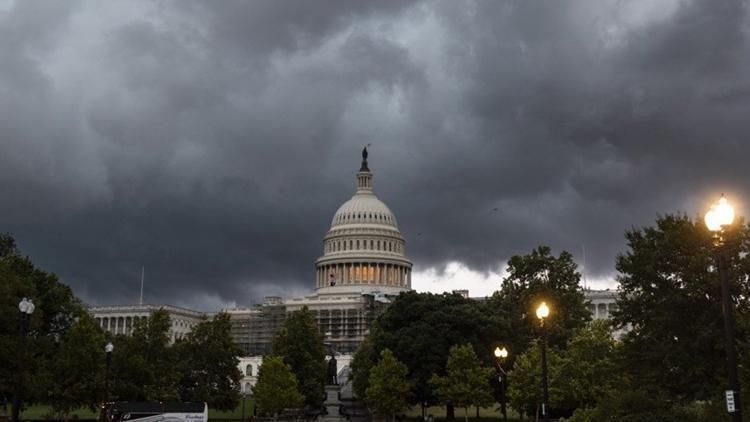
(601, 303)
(461, 292)
(253, 328)
(249, 366)
(120, 319)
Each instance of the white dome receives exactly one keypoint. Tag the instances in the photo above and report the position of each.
(364, 208)
(364, 248)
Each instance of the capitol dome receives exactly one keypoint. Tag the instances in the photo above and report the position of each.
(363, 249)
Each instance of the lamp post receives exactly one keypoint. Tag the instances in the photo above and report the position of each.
(721, 214)
(107, 349)
(26, 306)
(542, 312)
(501, 355)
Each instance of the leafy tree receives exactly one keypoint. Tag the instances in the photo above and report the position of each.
(276, 388)
(532, 278)
(525, 380)
(56, 309)
(144, 367)
(420, 328)
(388, 389)
(77, 368)
(466, 383)
(300, 344)
(589, 368)
(208, 361)
(670, 296)
(630, 406)
(579, 375)
(361, 365)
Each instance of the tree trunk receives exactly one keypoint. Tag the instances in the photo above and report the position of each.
(466, 413)
(477, 412)
(450, 413)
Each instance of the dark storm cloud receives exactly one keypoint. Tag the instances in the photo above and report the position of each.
(212, 142)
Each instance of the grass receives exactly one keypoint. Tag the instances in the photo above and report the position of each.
(485, 414)
(42, 411)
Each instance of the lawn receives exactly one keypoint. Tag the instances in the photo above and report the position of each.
(41, 411)
(485, 414)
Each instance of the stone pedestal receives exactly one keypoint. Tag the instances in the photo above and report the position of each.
(333, 405)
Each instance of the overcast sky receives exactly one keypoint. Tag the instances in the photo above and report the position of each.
(212, 141)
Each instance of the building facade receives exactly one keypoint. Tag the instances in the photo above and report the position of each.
(253, 327)
(121, 319)
(601, 303)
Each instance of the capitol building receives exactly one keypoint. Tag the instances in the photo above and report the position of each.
(363, 267)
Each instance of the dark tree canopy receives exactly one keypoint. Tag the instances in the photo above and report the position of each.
(208, 362)
(56, 309)
(300, 344)
(277, 387)
(420, 328)
(76, 371)
(533, 278)
(144, 366)
(670, 295)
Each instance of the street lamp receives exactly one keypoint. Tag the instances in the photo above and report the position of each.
(542, 312)
(108, 350)
(718, 216)
(501, 355)
(26, 307)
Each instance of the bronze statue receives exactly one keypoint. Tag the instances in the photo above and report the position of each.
(332, 378)
(364, 160)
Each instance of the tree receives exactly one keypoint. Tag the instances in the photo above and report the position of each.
(532, 278)
(525, 380)
(208, 362)
(361, 365)
(144, 367)
(669, 295)
(77, 368)
(388, 389)
(420, 328)
(579, 375)
(589, 368)
(300, 344)
(466, 383)
(276, 388)
(56, 309)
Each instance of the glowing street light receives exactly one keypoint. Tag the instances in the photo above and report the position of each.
(542, 312)
(26, 307)
(717, 218)
(720, 214)
(501, 355)
(108, 350)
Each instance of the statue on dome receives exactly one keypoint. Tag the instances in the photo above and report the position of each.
(364, 159)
